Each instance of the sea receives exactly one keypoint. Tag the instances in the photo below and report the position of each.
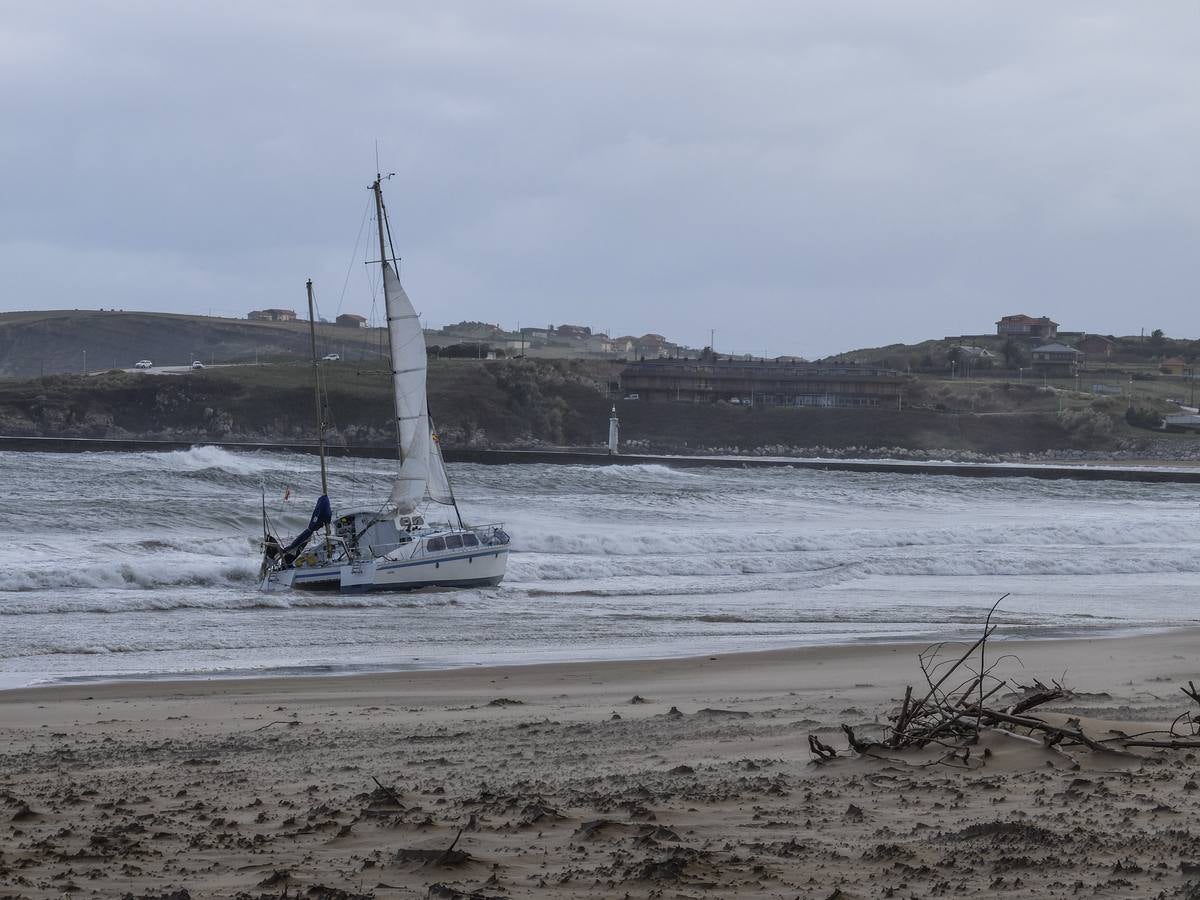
(144, 565)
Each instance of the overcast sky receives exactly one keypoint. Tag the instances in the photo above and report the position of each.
(801, 177)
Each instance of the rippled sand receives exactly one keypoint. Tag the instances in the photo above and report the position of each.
(681, 778)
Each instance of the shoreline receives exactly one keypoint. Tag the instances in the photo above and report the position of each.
(281, 675)
(436, 678)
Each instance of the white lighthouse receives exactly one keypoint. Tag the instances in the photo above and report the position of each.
(614, 425)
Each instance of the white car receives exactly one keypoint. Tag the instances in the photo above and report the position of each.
(332, 357)
(143, 364)
(196, 364)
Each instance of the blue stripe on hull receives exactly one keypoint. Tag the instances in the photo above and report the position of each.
(417, 585)
(438, 559)
(333, 583)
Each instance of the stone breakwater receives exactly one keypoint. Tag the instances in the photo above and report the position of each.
(1182, 450)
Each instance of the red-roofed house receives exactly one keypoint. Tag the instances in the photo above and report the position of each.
(1095, 345)
(1022, 325)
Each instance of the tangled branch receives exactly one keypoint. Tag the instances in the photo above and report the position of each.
(953, 710)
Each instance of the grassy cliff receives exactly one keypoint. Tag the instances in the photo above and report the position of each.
(482, 403)
(511, 403)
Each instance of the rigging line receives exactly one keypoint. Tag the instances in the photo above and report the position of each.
(376, 287)
(354, 255)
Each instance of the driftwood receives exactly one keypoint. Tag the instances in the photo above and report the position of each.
(820, 750)
(387, 790)
(953, 710)
(440, 891)
(290, 723)
(447, 857)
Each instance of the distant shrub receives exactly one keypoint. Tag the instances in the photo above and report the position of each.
(1086, 426)
(1140, 417)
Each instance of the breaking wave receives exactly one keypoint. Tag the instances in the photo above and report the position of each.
(149, 562)
(230, 601)
(203, 457)
(144, 576)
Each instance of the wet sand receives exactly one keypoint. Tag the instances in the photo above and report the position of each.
(675, 779)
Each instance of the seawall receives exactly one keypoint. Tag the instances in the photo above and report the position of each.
(1147, 474)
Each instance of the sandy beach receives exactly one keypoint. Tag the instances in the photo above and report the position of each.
(678, 778)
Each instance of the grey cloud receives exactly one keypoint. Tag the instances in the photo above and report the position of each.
(800, 177)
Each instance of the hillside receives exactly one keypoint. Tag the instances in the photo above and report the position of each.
(62, 341)
(1129, 352)
(527, 402)
(474, 402)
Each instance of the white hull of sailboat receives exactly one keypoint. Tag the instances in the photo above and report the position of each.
(477, 568)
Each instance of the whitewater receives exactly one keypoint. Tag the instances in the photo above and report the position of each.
(145, 564)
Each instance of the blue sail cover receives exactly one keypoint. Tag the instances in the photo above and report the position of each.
(322, 515)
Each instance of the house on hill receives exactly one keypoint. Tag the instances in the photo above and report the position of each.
(1022, 325)
(272, 315)
(1055, 360)
(481, 331)
(351, 320)
(1175, 365)
(653, 346)
(598, 343)
(626, 343)
(1095, 346)
(575, 332)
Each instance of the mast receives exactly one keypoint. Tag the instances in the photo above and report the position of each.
(312, 334)
(377, 188)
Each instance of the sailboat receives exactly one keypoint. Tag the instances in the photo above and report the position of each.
(393, 546)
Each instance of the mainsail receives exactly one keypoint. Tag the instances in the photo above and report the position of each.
(408, 384)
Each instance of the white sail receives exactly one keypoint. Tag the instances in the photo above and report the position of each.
(439, 480)
(408, 383)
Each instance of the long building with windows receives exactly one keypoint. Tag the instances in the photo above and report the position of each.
(763, 383)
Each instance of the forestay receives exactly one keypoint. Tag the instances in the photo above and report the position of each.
(439, 480)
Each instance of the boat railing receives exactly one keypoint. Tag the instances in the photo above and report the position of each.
(492, 535)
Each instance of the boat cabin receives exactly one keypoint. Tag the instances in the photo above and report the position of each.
(369, 534)
(457, 541)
